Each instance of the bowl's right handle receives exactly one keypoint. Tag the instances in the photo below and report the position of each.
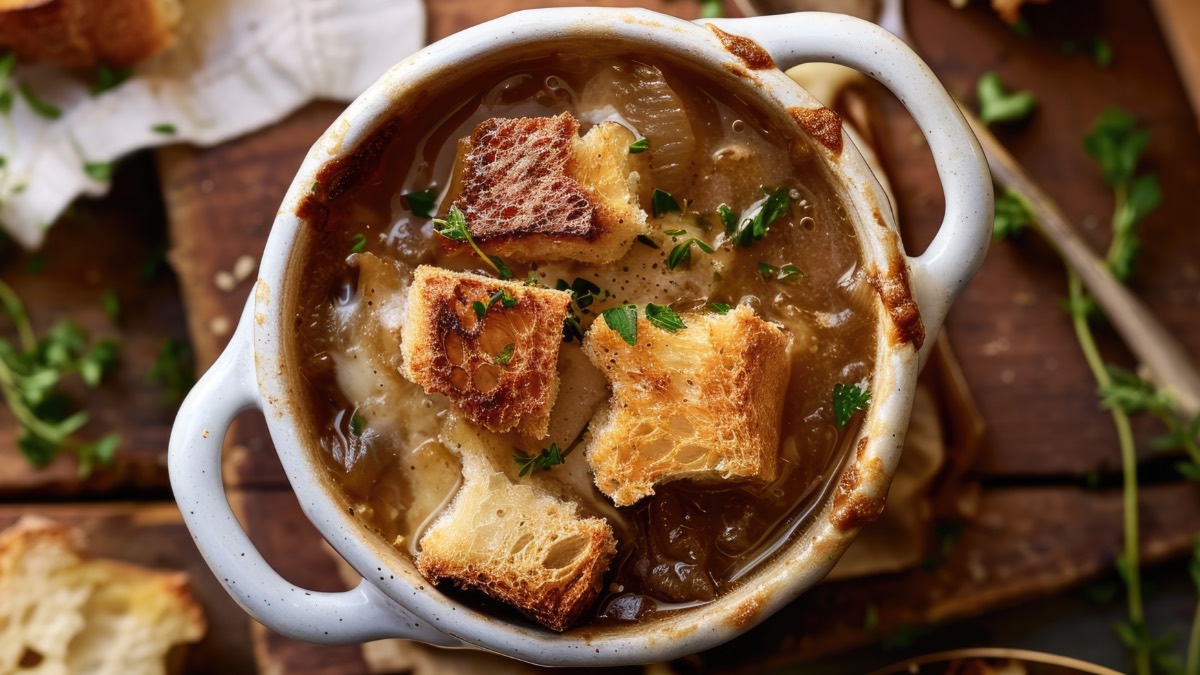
(194, 462)
(957, 251)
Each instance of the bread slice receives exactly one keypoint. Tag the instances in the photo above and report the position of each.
(82, 33)
(513, 540)
(448, 350)
(701, 403)
(71, 614)
(533, 190)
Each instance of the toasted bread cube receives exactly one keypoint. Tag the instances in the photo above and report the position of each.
(513, 540)
(533, 190)
(704, 402)
(448, 350)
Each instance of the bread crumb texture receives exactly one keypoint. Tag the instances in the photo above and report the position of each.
(703, 403)
(513, 540)
(448, 349)
(62, 612)
(533, 190)
(81, 33)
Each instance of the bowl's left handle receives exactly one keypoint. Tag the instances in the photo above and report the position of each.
(194, 462)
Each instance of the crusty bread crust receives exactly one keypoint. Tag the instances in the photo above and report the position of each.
(532, 190)
(447, 350)
(81, 33)
(80, 614)
(513, 540)
(702, 403)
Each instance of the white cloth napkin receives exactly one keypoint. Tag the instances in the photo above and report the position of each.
(238, 65)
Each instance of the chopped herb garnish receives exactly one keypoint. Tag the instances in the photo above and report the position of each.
(1012, 215)
(357, 424)
(112, 305)
(778, 202)
(421, 203)
(639, 146)
(584, 292)
(3, 161)
(674, 232)
(662, 202)
(164, 129)
(623, 320)
(532, 279)
(767, 272)
(1102, 52)
(505, 355)
(43, 108)
(847, 400)
(646, 241)
(664, 317)
(173, 370)
(547, 458)
(712, 9)
(718, 308)
(99, 171)
(358, 243)
(454, 227)
(7, 63)
(110, 78)
(572, 328)
(788, 274)
(997, 104)
(682, 253)
(728, 219)
(501, 296)
(480, 310)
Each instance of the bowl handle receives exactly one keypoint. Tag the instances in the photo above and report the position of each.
(957, 251)
(194, 463)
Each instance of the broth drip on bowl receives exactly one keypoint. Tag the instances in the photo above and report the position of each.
(378, 432)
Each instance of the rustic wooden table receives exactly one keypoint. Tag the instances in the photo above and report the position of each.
(1049, 466)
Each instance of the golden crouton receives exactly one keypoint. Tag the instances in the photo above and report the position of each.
(490, 346)
(533, 190)
(704, 402)
(513, 540)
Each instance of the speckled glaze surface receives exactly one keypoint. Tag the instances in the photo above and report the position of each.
(393, 600)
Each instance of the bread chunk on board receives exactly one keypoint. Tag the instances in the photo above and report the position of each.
(532, 190)
(513, 540)
(704, 402)
(82, 615)
(500, 370)
(88, 32)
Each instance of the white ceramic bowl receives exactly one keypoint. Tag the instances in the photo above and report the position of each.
(255, 372)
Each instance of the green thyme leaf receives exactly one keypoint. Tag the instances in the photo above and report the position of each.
(646, 241)
(778, 202)
(662, 202)
(505, 355)
(790, 274)
(110, 78)
(767, 272)
(997, 104)
(681, 254)
(623, 320)
(99, 171)
(454, 227)
(665, 318)
(164, 129)
(421, 203)
(674, 233)
(728, 219)
(1117, 144)
(572, 327)
(1132, 394)
(847, 400)
(480, 310)
(532, 279)
(718, 308)
(357, 424)
(43, 108)
(546, 459)
(173, 370)
(358, 243)
(639, 146)
(712, 9)
(1012, 215)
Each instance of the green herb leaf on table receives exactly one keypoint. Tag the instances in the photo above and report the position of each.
(718, 308)
(546, 459)
(99, 171)
(1117, 144)
(639, 146)
(847, 400)
(505, 355)
(112, 306)
(421, 203)
(358, 243)
(173, 370)
(662, 202)
(1102, 52)
(164, 129)
(1012, 216)
(43, 108)
(7, 63)
(712, 9)
(777, 203)
(664, 317)
(997, 104)
(623, 320)
(110, 78)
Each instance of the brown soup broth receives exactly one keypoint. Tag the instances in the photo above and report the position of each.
(689, 542)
